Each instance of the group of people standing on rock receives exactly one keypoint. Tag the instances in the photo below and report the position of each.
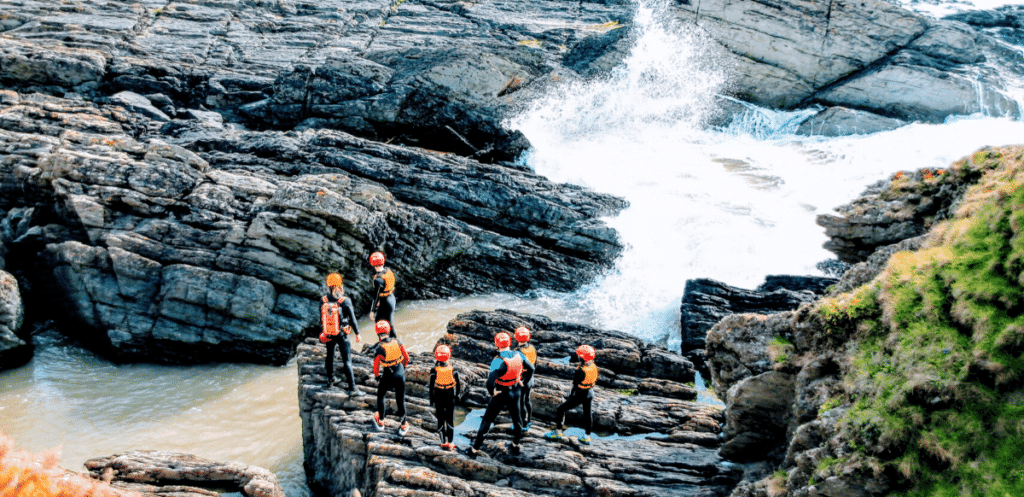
(509, 383)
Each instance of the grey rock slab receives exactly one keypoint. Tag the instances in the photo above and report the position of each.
(842, 121)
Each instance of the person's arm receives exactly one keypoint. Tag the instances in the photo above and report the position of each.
(498, 370)
(350, 316)
(577, 380)
(458, 382)
(378, 284)
(430, 386)
(528, 368)
(376, 362)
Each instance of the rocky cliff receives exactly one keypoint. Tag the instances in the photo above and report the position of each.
(640, 391)
(910, 381)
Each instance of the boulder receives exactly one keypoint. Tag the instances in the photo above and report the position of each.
(705, 302)
(757, 416)
(163, 254)
(165, 473)
(841, 121)
(15, 347)
(343, 453)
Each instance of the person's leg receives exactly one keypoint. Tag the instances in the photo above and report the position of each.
(383, 385)
(513, 411)
(493, 408)
(526, 405)
(399, 385)
(588, 417)
(386, 311)
(329, 361)
(345, 348)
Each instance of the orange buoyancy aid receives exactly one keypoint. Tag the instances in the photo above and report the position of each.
(513, 371)
(330, 317)
(530, 352)
(392, 353)
(445, 378)
(389, 283)
(590, 376)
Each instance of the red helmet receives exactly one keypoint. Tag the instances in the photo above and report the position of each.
(502, 340)
(522, 334)
(334, 279)
(586, 353)
(383, 327)
(377, 259)
(442, 353)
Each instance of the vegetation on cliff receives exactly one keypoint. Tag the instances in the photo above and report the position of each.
(934, 388)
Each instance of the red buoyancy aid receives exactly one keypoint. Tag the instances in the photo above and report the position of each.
(392, 353)
(389, 283)
(530, 352)
(330, 317)
(513, 371)
(590, 376)
(445, 378)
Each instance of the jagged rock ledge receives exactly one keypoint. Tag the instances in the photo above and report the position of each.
(175, 474)
(343, 453)
(155, 252)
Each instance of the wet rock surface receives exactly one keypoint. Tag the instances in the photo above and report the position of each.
(705, 302)
(164, 473)
(343, 452)
(165, 254)
(840, 121)
(873, 56)
(15, 346)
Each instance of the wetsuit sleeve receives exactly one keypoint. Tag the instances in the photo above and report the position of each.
(430, 386)
(405, 354)
(350, 315)
(458, 382)
(577, 380)
(378, 285)
(498, 370)
(376, 361)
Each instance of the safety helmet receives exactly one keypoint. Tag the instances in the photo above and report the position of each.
(502, 340)
(442, 353)
(333, 279)
(522, 334)
(377, 259)
(586, 353)
(383, 327)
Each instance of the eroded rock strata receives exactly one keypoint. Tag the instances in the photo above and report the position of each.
(157, 252)
(163, 473)
(344, 453)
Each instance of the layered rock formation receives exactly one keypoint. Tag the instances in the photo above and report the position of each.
(871, 56)
(161, 473)
(164, 254)
(343, 452)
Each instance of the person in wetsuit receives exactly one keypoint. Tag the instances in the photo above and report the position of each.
(389, 361)
(581, 394)
(522, 336)
(503, 383)
(382, 307)
(445, 387)
(337, 315)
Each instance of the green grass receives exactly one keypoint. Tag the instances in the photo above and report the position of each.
(939, 367)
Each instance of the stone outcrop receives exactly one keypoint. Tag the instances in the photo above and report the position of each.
(164, 254)
(413, 72)
(872, 56)
(902, 207)
(841, 121)
(163, 473)
(705, 302)
(343, 453)
(15, 347)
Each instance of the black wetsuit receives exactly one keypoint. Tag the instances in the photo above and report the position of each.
(442, 397)
(383, 306)
(348, 318)
(390, 377)
(503, 397)
(525, 403)
(580, 395)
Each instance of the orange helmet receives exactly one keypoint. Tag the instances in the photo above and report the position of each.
(586, 353)
(333, 279)
(377, 259)
(442, 353)
(502, 340)
(383, 327)
(522, 334)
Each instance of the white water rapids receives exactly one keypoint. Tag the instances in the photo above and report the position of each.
(732, 204)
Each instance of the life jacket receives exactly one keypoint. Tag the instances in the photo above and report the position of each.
(513, 371)
(445, 378)
(389, 283)
(392, 353)
(590, 376)
(530, 352)
(330, 316)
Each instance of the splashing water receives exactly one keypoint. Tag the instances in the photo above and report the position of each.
(733, 204)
